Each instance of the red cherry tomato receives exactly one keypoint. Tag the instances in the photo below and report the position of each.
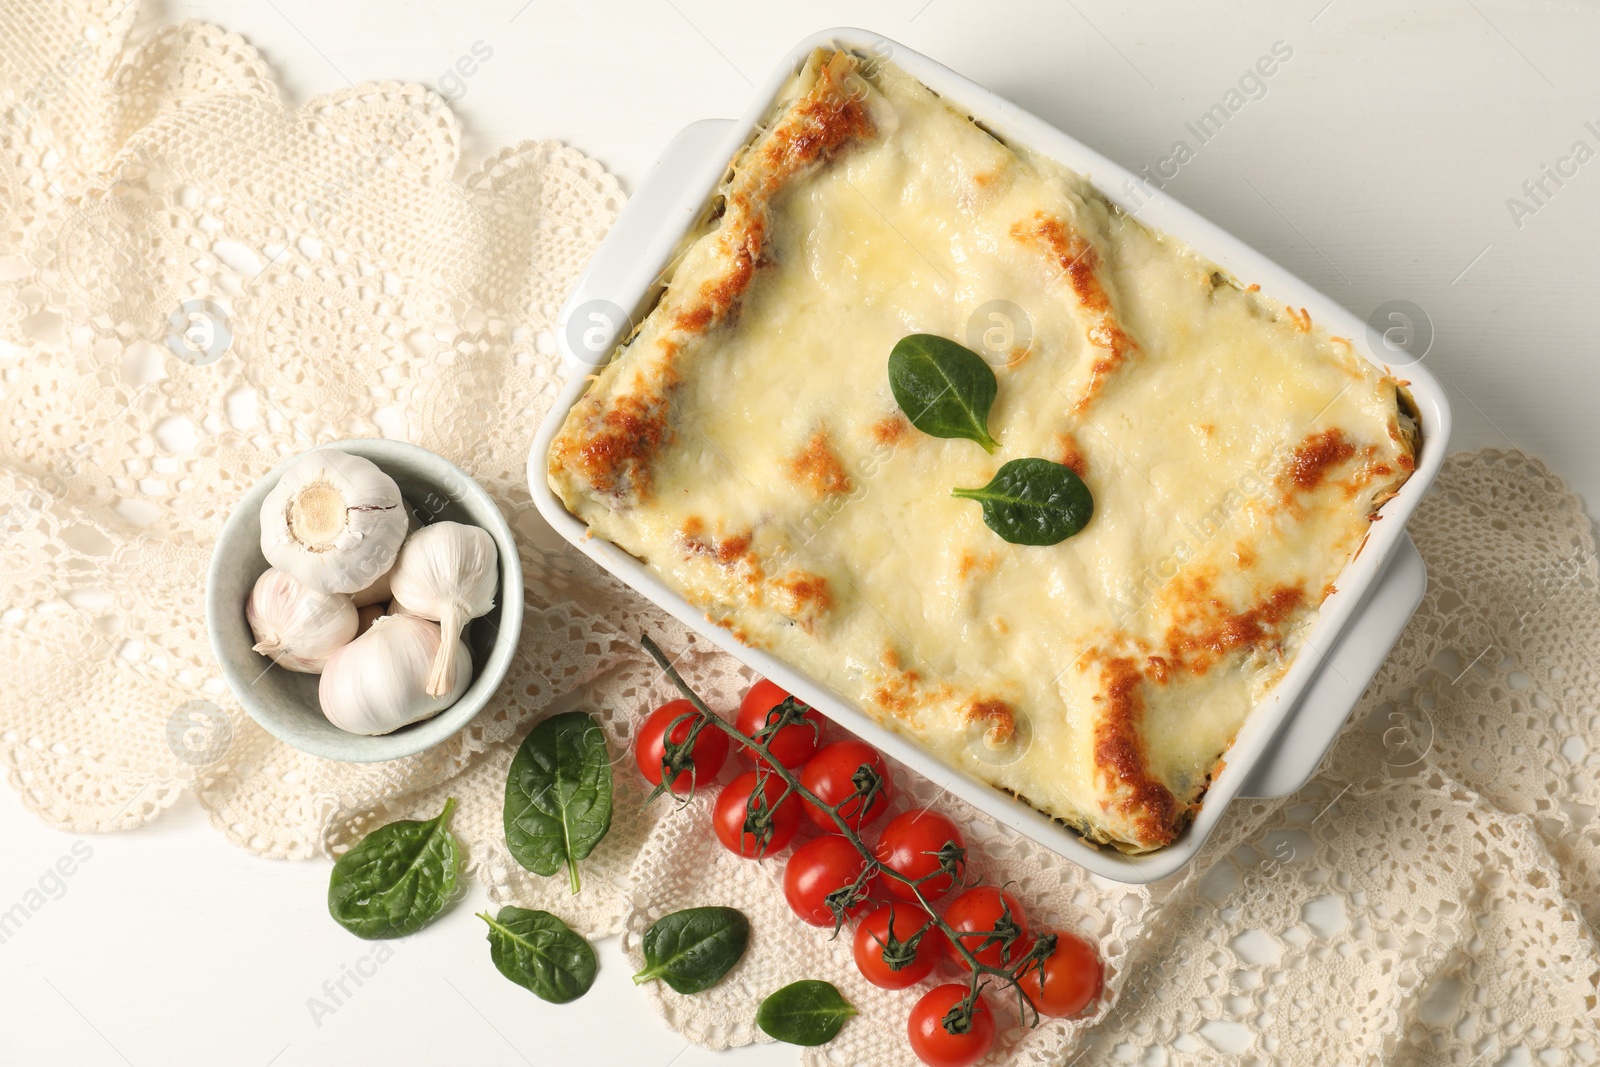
(1071, 978)
(910, 846)
(829, 775)
(933, 1042)
(816, 869)
(733, 804)
(872, 943)
(706, 758)
(790, 746)
(981, 910)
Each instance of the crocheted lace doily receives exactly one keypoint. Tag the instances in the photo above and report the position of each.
(1429, 898)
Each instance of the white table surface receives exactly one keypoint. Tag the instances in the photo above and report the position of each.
(1378, 165)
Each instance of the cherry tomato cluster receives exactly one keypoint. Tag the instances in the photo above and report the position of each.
(896, 942)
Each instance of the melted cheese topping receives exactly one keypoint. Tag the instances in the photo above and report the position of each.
(746, 445)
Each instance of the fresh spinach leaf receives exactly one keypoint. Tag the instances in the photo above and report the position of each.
(397, 879)
(946, 390)
(807, 1012)
(1033, 502)
(541, 953)
(691, 950)
(558, 795)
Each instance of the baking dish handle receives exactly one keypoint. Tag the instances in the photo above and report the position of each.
(1296, 753)
(631, 257)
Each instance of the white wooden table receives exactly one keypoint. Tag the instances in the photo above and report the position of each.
(1379, 161)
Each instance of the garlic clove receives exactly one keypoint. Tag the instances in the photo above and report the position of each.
(334, 522)
(296, 626)
(447, 572)
(368, 614)
(377, 683)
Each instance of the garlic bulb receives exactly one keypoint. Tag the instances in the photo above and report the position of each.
(446, 572)
(298, 627)
(368, 614)
(334, 521)
(378, 590)
(377, 683)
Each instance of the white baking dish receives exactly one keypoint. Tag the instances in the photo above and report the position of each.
(1280, 746)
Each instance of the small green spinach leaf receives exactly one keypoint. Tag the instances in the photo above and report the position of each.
(945, 389)
(1033, 502)
(558, 795)
(691, 950)
(541, 953)
(397, 879)
(807, 1012)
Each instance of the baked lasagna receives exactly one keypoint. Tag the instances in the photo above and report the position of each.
(745, 444)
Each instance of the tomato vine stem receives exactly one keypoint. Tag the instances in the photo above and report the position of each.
(960, 1015)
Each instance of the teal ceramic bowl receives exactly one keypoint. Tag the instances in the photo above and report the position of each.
(284, 702)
